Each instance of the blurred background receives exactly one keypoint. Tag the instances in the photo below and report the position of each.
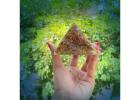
(49, 20)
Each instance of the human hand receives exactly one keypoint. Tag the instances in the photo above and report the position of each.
(72, 83)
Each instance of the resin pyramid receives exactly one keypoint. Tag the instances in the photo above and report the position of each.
(74, 42)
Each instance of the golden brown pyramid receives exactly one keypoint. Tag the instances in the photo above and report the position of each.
(74, 42)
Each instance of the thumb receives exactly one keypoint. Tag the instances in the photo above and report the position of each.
(56, 57)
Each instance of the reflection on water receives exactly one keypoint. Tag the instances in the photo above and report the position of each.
(106, 95)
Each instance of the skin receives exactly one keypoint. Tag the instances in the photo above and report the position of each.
(72, 83)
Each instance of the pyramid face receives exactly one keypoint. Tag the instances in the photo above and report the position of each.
(74, 42)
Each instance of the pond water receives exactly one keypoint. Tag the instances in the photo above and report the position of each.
(106, 95)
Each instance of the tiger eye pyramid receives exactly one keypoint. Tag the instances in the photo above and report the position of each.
(74, 42)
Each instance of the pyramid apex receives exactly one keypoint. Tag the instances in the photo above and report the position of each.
(74, 28)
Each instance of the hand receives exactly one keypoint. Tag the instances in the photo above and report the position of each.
(72, 83)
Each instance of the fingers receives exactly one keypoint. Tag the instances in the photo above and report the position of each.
(91, 68)
(96, 45)
(56, 58)
(84, 67)
(74, 60)
(93, 60)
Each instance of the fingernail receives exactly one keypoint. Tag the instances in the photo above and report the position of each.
(48, 43)
(97, 43)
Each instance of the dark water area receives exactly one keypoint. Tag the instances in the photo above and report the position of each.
(106, 94)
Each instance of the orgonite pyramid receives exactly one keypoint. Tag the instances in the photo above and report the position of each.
(74, 42)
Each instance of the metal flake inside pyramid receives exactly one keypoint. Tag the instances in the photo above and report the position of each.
(74, 42)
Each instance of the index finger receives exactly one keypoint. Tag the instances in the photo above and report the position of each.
(56, 57)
